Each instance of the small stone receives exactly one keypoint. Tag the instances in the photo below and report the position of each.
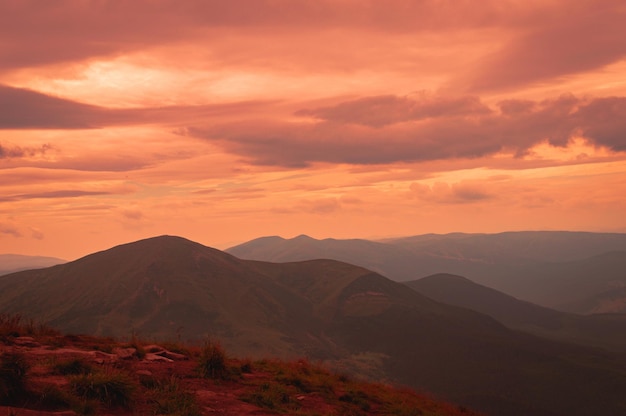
(172, 355)
(125, 353)
(155, 357)
(26, 342)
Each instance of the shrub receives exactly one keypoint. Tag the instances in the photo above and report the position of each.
(112, 388)
(13, 370)
(212, 361)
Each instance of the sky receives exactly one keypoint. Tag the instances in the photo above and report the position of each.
(223, 121)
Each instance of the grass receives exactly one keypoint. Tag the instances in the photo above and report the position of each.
(296, 387)
(170, 398)
(110, 387)
(13, 372)
(53, 397)
(15, 325)
(273, 396)
(212, 362)
(72, 366)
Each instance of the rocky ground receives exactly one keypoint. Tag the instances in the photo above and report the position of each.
(79, 375)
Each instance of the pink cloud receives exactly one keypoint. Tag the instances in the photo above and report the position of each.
(571, 38)
(346, 137)
(388, 109)
(10, 230)
(458, 193)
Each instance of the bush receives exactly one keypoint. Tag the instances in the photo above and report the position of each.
(212, 362)
(13, 370)
(112, 388)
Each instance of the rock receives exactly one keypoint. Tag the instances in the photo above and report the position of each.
(153, 348)
(103, 357)
(154, 357)
(146, 373)
(125, 353)
(172, 355)
(26, 342)
(158, 350)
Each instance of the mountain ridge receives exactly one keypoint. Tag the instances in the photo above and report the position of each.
(345, 315)
(516, 263)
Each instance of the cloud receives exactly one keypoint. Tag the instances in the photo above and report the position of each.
(571, 38)
(27, 109)
(383, 110)
(14, 152)
(346, 137)
(133, 214)
(36, 233)
(24, 108)
(10, 230)
(52, 195)
(76, 30)
(457, 193)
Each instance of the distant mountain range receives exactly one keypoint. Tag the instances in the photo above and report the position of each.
(600, 330)
(10, 263)
(569, 271)
(350, 317)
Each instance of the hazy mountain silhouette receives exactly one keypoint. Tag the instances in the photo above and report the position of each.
(589, 285)
(561, 270)
(601, 330)
(10, 263)
(324, 309)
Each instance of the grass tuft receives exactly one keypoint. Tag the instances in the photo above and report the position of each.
(110, 387)
(171, 399)
(273, 396)
(212, 362)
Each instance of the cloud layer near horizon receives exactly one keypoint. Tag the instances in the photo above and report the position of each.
(223, 121)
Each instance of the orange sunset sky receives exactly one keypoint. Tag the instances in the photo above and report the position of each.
(223, 121)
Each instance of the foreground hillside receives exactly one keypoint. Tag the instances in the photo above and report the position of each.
(45, 373)
(170, 288)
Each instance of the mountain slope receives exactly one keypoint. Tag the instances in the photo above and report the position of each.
(324, 309)
(462, 355)
(11, 263)
(605, 330)
(160, 287)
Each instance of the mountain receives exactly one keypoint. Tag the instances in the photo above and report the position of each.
(560, 270)
(10, 263)
(163, 287)
(382, 258)
(600, 330)
(347, 316)
(589, 285)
